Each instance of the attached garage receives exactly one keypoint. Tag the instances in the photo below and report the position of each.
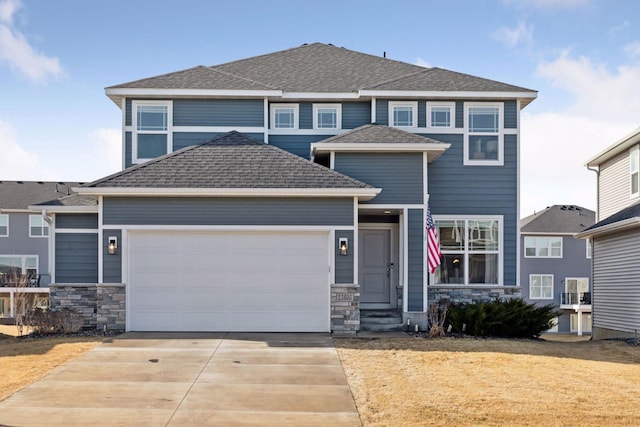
(228, 281)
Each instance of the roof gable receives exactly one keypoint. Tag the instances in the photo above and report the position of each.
(229, 161)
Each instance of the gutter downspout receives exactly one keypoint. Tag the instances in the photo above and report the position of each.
(50, 243)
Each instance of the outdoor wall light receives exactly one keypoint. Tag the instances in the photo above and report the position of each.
(343, 244)
(112, 246)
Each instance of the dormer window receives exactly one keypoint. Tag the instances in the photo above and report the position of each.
(284, 116)
(152, 121)
(403, 114)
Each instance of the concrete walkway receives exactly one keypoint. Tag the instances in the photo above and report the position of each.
(178, 379)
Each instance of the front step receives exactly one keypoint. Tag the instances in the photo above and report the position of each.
(381, 321)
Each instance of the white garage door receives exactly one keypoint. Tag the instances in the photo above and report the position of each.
(228, 281)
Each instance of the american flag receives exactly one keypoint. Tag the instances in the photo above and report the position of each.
(433, 243)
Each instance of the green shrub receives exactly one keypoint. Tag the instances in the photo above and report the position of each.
(511, 318)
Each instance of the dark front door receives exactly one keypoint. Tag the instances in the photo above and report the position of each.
(374, 268)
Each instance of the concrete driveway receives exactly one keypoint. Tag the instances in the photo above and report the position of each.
(178, 379)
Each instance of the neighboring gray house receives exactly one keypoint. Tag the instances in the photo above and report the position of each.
(24, 236)
(287, 192)
(555, 267)
(615, 239)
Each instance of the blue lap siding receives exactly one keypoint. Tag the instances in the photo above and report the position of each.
(344, 263)
(76, 257)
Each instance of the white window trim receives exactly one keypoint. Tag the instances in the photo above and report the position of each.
(451, 105)
(500, 251)
(635, 151)
(500, 135)
(548, 247)
(43, 225)
(296, 116)
(6, 216)
(337, 107)
(413, 105)
(552, 286)
(589, 248)
(23, 261)
(566, 283)
(134, 128)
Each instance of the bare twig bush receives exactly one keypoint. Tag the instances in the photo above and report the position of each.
(437, 318)
(24, 302)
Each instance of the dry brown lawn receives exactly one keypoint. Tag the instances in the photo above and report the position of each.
(492, 382)
(23, 361)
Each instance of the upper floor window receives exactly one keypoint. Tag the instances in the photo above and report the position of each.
(441, 114)
(541, 286)
(38, 227)
(284, 116)
(152, 122)
(543, 247)
(471, 251)
(403, 114)
(484, 135)
(4, 225)
(327, 116)
(634, 167)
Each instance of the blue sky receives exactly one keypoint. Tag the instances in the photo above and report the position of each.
(56, 57)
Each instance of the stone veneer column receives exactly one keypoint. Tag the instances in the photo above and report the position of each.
(345, 308)
(111, 307)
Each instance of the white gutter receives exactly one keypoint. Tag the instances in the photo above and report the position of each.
(610, 228)
(379, 147)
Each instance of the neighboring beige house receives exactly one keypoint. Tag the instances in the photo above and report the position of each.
(615, 240)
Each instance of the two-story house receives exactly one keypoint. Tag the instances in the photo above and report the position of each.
(24, 238)
(287, 192)
(615, 239)
(555, 267)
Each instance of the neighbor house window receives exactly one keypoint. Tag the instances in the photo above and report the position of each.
(38, 227)
(484, 139)
(634, 167)
(541, 286)
(471, 251)
(4, 225)
(284, 116)
(589, 248)
(542, 247)
(586, 322)
(327, 116)
(440, 114)
(18, 264)
(403, 114)
(152, 122)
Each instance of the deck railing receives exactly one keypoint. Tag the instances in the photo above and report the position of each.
(575, 298)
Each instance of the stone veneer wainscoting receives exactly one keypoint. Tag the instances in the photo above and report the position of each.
(345, 309)
(102, 306)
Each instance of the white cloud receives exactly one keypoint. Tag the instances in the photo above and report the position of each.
(8, 8)
(16, 162)
(633, 49)
(107, 146)
(614, 31)
(421, 62)
(19, 54)
(521, 34)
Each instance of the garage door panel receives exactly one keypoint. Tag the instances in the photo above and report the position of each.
(229, 281)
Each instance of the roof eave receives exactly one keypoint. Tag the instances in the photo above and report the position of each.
(617, 226)
(434, 150)
(524, 96)
(362, 193)
(116, 94)
(613, 150)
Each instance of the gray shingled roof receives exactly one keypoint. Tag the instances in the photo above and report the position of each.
(72, 200)
(231, 160)
(378, 134)
(558, 219)
(21, 194)
(632, 211)
(321, 68)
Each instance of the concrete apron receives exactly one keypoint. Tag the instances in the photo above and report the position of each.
(177, 379)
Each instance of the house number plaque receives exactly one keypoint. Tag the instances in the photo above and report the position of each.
(344, 297)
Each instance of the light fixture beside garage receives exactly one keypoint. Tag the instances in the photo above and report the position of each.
(343, 244)
(112, 246)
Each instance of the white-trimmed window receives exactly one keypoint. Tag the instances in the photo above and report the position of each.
(18, 264)
(403, 114)
(634, 169)
(4, 225)
(586, 322)
(284, 116)
(441, 114)
(152, 129)
(471, 251)
(589, 249)
(484, 135)
(38, 227)
(327, 116)
(541, 286)
(542, 247)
